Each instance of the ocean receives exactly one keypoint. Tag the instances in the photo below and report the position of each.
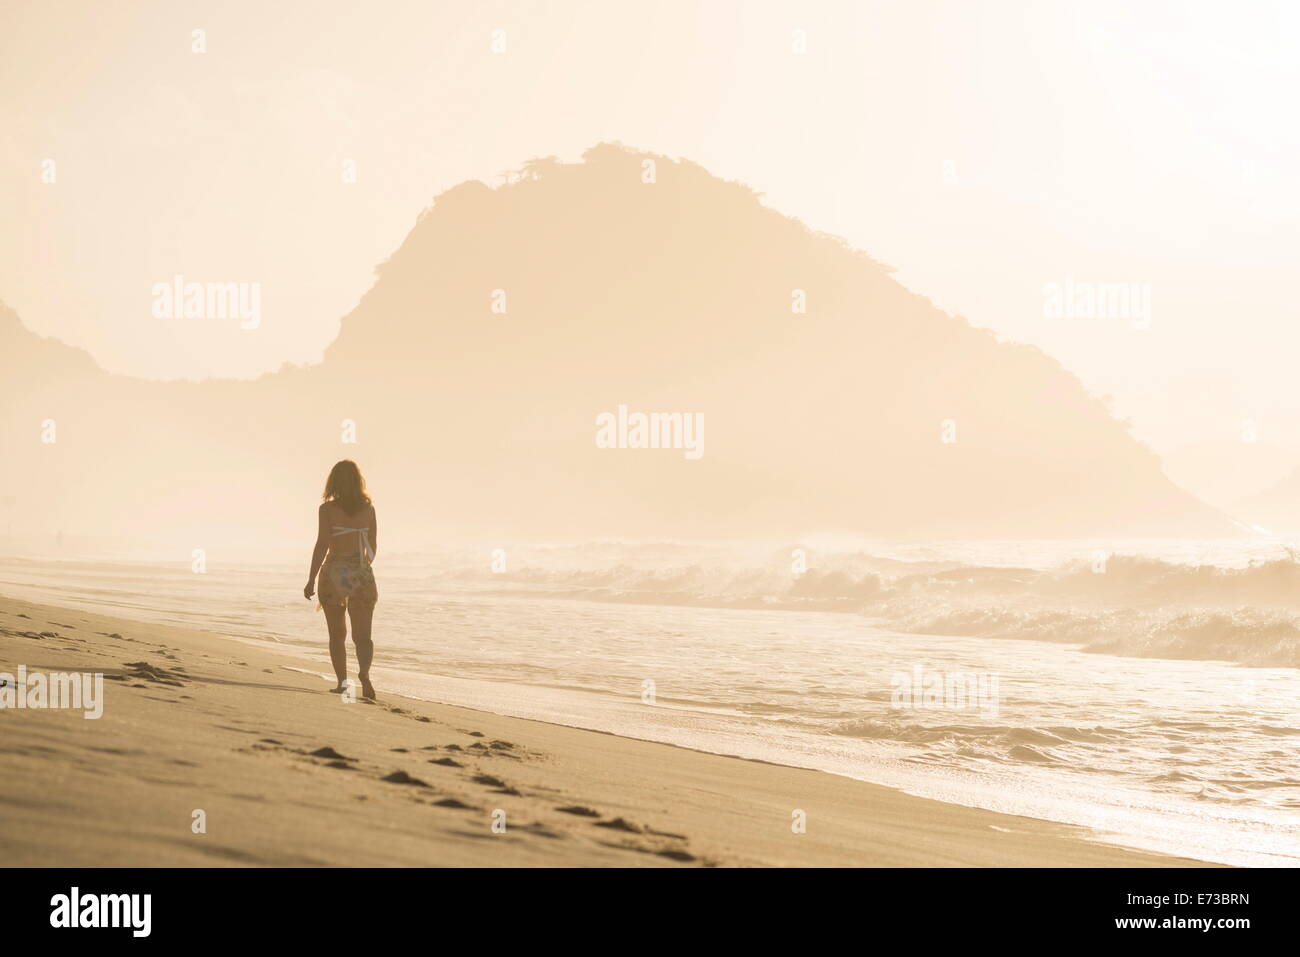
(1148, 691)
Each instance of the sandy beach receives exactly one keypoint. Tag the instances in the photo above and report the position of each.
(286, 774)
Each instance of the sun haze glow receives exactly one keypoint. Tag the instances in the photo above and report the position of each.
(983, 150)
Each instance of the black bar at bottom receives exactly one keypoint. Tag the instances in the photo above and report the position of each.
(306, 906)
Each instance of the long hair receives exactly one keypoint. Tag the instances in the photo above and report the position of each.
(347, 486)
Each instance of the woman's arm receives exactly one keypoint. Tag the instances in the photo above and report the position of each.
(318, 553)
(374, 533)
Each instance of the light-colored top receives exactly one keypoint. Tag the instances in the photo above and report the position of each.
(364, 540)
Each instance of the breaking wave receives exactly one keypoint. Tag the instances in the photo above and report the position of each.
(1244, 609)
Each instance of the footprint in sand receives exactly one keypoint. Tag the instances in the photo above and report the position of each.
(626, 826)
(454, 803)
(677, 837)
(579, 810)
(620, 824)
(676, 855)
(142, 669)
(325, 752)
(672, 853)
(497, 749)
(446, 762)
(498, 786)
(401, 777)
(541, 830)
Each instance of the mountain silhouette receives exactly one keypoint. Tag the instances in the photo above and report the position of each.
(871, 412)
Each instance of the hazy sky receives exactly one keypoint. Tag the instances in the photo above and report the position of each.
(984, 149)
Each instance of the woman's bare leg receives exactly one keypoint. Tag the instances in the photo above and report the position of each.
(337, 622)
(361, 616)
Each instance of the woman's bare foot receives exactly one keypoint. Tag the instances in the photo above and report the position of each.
(343, 687)
(367, 689)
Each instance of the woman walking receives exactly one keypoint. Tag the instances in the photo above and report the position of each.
(346, 538)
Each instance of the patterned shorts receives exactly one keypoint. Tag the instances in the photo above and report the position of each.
(344, 580)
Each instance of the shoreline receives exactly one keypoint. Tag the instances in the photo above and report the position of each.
(198, 722)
